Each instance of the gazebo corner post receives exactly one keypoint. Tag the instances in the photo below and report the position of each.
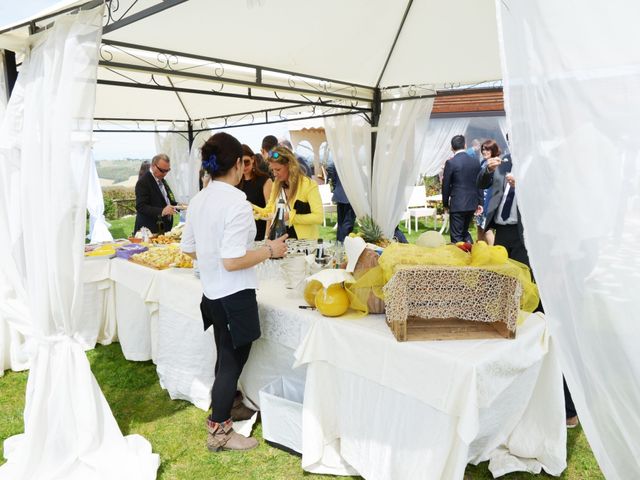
(10, 71)
(190, 133)
(376, 109)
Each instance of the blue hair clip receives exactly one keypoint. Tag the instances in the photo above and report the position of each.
(211, 163)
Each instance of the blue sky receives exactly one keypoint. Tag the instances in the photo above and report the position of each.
(115, 146)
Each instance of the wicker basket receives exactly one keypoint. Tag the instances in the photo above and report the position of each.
(445, 303)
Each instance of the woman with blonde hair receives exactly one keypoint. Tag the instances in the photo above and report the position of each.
(303, 205)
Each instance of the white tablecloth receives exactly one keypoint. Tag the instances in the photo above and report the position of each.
(136, 316)
(372, 405)
(98, 315)
(424, 409)
(13, 352)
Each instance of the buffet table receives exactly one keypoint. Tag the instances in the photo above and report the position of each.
(372, 406)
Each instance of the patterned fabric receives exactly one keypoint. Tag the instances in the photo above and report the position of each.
(467, 293)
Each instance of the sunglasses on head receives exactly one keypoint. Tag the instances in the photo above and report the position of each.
(277, 156)
(162, 170)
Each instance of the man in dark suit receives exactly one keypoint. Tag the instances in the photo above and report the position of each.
(154, 199)
(460, 195)
(502, 212)
(346, 214)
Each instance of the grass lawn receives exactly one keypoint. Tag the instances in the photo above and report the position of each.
(176, 431)
(122, 228)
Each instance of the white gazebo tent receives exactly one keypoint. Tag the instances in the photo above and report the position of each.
(374, 67)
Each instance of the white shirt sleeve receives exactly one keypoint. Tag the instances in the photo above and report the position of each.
(188, 242)
(238, 224)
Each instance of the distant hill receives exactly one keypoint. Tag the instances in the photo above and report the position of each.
(118, 170)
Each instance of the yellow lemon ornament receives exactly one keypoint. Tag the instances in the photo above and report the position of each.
(480, 254)
(499, 255)
(310, 292)
(332, 301)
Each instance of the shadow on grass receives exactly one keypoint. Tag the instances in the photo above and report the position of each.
(132, 389)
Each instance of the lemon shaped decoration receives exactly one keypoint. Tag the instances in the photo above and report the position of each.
(499, 255)
(332, 301)
(430, 239)
(480, 254)
(310, 292)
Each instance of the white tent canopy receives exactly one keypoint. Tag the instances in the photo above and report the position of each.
(182, 60)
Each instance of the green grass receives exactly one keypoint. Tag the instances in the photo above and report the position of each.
(176, 430)
(122, 228)
(328, 233)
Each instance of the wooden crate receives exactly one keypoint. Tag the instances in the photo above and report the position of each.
(446, 303)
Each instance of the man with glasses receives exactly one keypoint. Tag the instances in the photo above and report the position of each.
(154, 199)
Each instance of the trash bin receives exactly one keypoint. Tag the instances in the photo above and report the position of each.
(281, 412)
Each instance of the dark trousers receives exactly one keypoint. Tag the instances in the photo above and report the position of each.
(346, 220)
(509, 237)
(459, 226)
(229, 361)
(569, 407)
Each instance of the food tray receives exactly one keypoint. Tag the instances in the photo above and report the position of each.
(148, 265)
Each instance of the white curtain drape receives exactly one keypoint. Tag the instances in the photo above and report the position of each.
(400, 143)
(575, 109)
(3, 86)
(98, 226)
(45, 148)
(182, 180)
(438, 143)
(349, 137)
(195, 159)
(503, 124)
(12, 343)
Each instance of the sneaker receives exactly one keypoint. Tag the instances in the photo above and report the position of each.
(573, 422)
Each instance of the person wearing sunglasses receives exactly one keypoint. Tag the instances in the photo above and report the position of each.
(256, 185)
(301, 195)
(155, 201)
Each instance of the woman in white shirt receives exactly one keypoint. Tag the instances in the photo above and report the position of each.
(219, 232)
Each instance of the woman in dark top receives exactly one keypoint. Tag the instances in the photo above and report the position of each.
(256, 185)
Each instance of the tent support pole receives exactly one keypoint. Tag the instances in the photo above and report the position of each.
(376, 108)
(10, 71)
(190, 134)
(141, 15)
(395, 40)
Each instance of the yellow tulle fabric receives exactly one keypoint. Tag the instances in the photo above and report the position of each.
(372, 280)
(492, 258)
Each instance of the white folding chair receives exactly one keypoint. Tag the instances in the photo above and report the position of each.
(417, 208)
(327, 205)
